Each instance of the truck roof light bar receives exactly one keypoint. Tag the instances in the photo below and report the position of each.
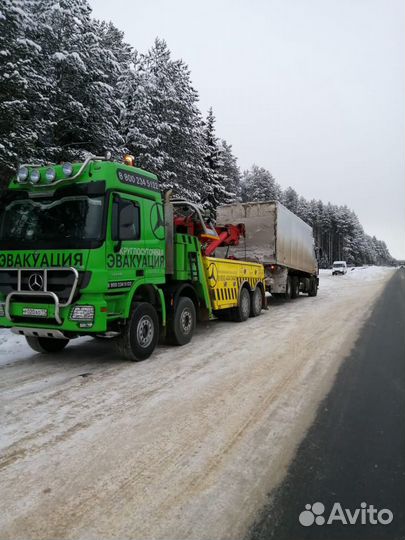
(22, 175)
(85, 163)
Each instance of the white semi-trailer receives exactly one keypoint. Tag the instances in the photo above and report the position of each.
(279, 240)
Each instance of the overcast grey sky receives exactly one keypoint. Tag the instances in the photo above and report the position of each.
(313, 90)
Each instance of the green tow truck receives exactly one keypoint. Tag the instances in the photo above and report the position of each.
(95, 249)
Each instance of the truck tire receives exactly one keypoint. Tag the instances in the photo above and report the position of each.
(295, 287)
(181, 327)
(140, 334)
(313, 287)
(46, 345)
(288, 291)
(256, 302)
(242, 311)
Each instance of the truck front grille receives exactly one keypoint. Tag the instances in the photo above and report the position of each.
(59, 281)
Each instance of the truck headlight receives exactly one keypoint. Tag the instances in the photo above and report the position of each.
(35, 176)
(82, 313)
(22, 175)
(50, 174)
(67, 169)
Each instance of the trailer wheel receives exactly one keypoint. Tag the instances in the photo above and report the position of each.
(181, 327)
(288, 291)
(295, 287)
(46, 345)
(256, 302)
(313, 287)
(242, 311)
(140, 334)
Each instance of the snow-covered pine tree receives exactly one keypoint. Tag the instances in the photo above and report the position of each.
(111, 60)
(187, 139)
(258, 184)
(228, 168)
(215, 192)
(139, 121)
(289, 199)
(162, 125)
(302, 208)
(83, 67)
(61, 29)
(23, 88)
(381, 252)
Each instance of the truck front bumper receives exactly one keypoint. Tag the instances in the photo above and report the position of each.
(89, 315)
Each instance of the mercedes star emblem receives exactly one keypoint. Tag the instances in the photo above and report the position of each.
(213, 274)
(36, 282)
(157, 222)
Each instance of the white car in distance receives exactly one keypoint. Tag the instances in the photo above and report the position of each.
(339, 267)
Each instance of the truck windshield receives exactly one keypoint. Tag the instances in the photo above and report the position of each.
(338, 265)
(69, 222)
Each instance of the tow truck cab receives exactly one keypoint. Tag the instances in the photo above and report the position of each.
(75, 242)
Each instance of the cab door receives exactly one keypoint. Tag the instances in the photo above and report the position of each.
(127, 244)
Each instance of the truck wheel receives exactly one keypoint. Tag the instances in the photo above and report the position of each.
(141, 333)
(295, 287)
(288, 292)
(313, 287)
(256, 302)
(181, 328)
(46, 345)
(242, 311)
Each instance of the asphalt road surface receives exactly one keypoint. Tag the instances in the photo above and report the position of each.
(355, 449)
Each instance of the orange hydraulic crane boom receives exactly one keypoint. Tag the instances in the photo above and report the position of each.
(228, 235)
(188, 218)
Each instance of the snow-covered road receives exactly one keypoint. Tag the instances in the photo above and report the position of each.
(184, 445)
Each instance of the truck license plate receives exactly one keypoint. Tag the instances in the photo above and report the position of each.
(35, 312)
